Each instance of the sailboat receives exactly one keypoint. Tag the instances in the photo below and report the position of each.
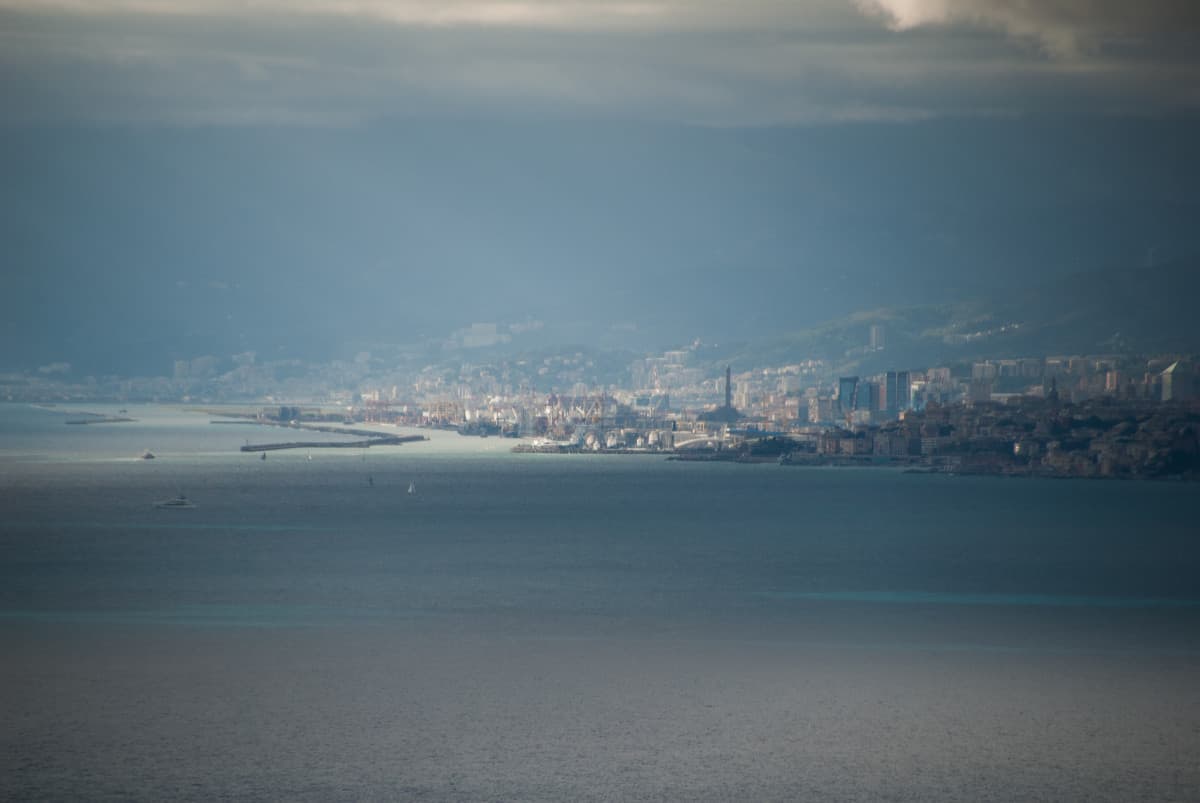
(412, 487)
(264, 456)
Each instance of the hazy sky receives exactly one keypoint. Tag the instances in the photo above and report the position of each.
(179, 167)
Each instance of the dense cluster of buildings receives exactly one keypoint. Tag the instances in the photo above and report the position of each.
(1078, 416)
(1026, 436)
(1006, 416)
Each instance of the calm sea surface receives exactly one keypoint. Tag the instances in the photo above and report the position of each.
(544, 627)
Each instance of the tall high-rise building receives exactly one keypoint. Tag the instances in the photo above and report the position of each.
(728, 388)
(868, 396)
(878, 340)
(897, 391)
(848, 394)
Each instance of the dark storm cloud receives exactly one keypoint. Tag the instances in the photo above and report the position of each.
(329, 62)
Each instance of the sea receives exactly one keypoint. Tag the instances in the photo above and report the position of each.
(534, 627)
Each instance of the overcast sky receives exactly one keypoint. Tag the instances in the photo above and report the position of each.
(517, 157)
(697, 61)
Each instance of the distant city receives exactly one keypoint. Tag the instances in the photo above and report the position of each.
(1105, 415)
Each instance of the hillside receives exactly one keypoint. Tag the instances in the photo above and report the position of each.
(1142, 311)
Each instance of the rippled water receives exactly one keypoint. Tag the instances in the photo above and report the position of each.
(579, 627)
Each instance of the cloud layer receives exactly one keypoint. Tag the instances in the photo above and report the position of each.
(1066, 27)
(334, 62)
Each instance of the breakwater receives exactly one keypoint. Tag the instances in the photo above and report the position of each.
(94, 418)
(366, 443)
(366, 437)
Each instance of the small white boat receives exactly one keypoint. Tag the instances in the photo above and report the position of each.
(412, 488)
(180, 502)
(148, 455)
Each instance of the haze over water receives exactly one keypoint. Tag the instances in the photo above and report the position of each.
(551, 627)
